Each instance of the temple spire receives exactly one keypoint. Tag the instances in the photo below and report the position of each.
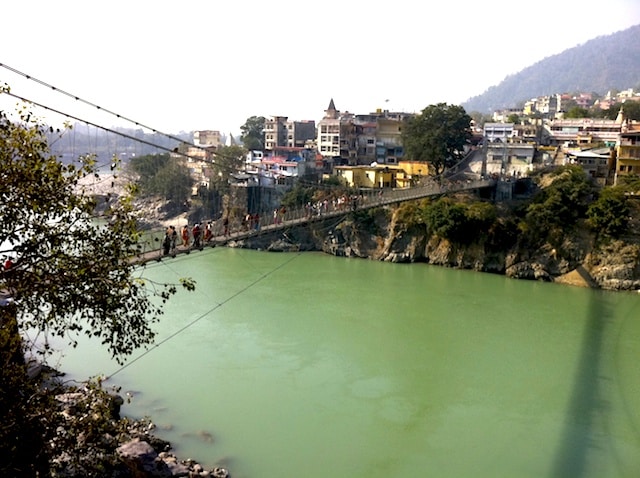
(331, 112)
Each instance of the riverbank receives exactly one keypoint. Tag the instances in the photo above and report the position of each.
(383, 234)
(92, 439)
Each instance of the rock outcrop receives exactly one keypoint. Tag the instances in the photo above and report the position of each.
(579, 260)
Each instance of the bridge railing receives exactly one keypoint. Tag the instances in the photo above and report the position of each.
(151, 240)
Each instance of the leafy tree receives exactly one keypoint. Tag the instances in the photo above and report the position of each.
(173, 182)
(227, 161)
(410, 213)
(71, 275)
(558, 206)
(576, 112)
(147, 166)
(209, 204)
(445, 218)
(630, 183)
(458, 221)
(609, 214)
(569, 104)
(597, 112)
(631, 110)
(161, 175)
(438, 135)
(513, 118)
(296, 196)
(480, 216)
(253, 133)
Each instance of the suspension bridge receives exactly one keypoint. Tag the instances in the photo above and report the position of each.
(366, 199)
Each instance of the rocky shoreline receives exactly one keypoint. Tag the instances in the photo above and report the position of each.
(580, 261)
(92, 439)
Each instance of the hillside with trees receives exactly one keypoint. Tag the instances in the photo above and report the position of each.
(599, 65)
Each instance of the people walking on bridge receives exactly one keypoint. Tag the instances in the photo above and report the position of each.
(185, 235)
(196, 232)
(207, 232)
(174, 238)
(166, 243)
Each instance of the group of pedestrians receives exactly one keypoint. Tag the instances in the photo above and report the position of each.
(169, 241)
(251, 222)
(196, 236)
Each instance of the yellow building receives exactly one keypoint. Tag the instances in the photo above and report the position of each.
(628, 154)
(415, 168)
(368, 176)
(411, 172)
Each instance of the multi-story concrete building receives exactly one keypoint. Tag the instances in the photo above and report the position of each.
(498, 131)
(328, 139)
(275, 132)
(207, 138)
(300, 133)
(364, 139)
(547, 106)
(280, 132)
(595, 162)
(583, 131)
(198, 156)
(628, 153)
(584, 100)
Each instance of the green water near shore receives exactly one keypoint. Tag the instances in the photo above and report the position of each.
(284, 365)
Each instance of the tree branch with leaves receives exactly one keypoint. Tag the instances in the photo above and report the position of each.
(72, 272)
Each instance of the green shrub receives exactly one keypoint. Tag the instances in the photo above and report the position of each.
(459, 222)
(609, 214)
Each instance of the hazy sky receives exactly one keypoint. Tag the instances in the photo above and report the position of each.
(181, 66)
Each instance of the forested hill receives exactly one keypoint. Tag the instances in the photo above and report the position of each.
(599, 65)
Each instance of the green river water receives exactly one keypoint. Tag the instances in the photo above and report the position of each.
(308, 365)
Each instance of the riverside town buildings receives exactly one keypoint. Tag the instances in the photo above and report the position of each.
(366, 150)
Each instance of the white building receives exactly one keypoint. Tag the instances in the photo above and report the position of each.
(498, 131)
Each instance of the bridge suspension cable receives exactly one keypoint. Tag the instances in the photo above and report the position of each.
(77, 98)
(205, 314)
(104, 128)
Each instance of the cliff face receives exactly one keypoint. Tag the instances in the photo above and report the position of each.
(383, 236)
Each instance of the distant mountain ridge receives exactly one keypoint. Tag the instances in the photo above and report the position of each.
(599, 65)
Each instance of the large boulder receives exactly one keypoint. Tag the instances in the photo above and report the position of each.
(143, 461)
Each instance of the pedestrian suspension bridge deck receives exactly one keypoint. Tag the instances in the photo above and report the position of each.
(152, 250)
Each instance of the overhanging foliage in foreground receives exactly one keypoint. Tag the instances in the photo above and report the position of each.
(72, 273)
